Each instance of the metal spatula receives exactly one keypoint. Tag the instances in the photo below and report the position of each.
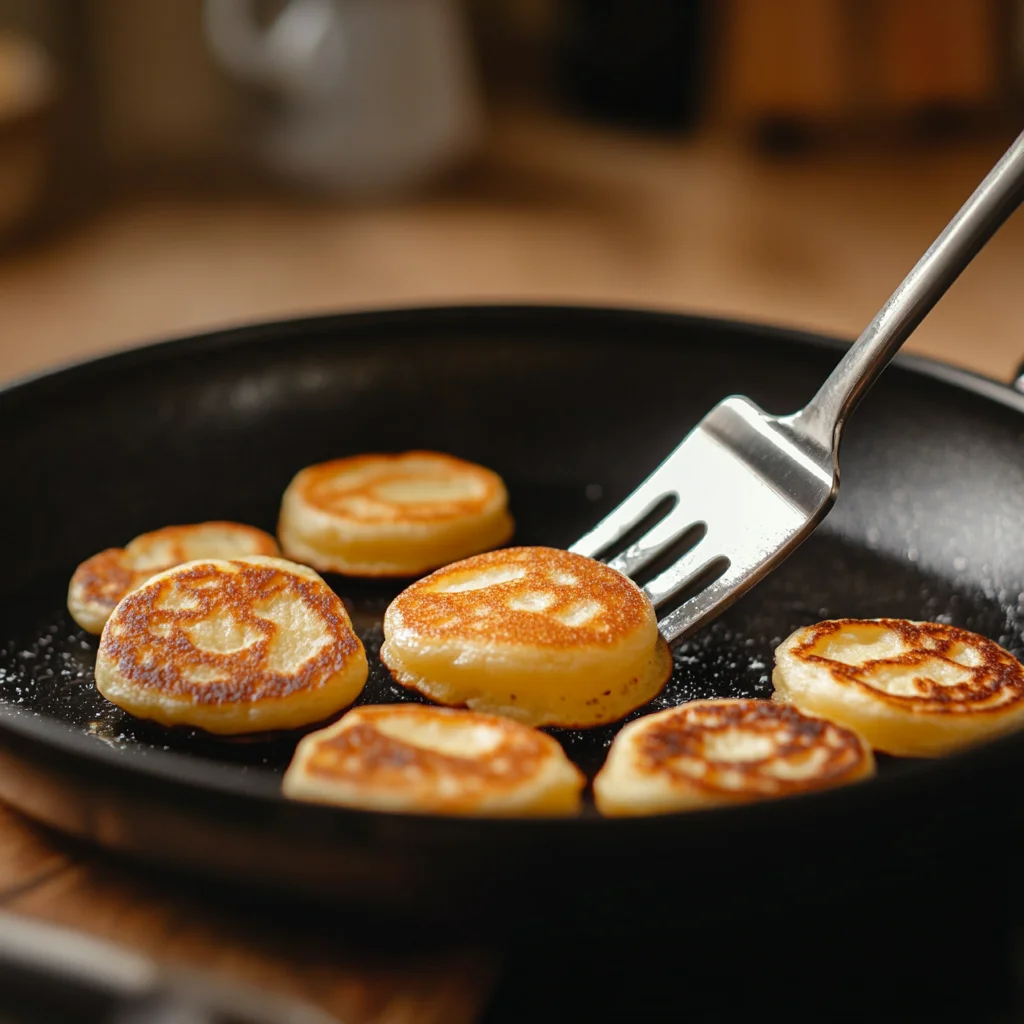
(745, 488)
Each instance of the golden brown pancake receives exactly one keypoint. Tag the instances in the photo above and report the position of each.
(392, 515)
(101, 581)
(715, 752)
(541, 635)
(915, 689)
(98, 584)
(247, 645)
(407, 757)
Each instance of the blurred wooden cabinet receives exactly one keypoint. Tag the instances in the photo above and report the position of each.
(854, 60)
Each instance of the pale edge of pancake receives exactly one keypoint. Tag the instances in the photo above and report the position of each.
(410, 553)
(633, 692)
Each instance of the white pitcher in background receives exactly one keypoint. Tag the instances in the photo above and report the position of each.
(367, 97)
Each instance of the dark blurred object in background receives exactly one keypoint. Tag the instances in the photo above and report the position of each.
(847, 68)
(638, 65)
(28, 98)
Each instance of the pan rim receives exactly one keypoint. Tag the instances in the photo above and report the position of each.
(192, 776)
(244, 331)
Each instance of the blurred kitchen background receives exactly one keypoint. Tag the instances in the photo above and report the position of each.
(168, 166)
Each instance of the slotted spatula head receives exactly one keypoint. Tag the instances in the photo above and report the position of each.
(741, 491)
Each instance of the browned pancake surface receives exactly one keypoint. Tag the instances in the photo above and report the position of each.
(952, 670)
(105, 578)
(148, 637)
(527, 595)
(101, 581)
(329, 487)
(171, 545)
(682, 746)
(364, 754)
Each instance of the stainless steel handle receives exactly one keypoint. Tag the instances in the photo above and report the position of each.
(992, 202)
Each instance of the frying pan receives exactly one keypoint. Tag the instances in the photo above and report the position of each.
(574, 407)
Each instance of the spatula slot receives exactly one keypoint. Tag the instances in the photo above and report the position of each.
(697, 584)
(658, 512)
(672, 553)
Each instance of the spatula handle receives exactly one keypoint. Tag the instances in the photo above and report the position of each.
(992, 202)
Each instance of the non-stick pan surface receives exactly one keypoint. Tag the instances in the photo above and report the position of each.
(573, 407)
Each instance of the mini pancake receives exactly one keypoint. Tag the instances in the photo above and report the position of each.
(98, 584)
(411, 758)
(716, 752)
(101, 581)
(392, 515)
(544, 636)
(914, 689)
(247, 645)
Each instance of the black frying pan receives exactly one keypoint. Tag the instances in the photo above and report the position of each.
(573, 407)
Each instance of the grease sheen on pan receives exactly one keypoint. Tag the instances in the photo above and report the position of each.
(239, 646)
(392, 515)
(101, 581)
(412, 758)
(715, 752)
(541, 635)
(915, 689)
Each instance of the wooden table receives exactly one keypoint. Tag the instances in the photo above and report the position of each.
(46, 877)
(552, 212)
